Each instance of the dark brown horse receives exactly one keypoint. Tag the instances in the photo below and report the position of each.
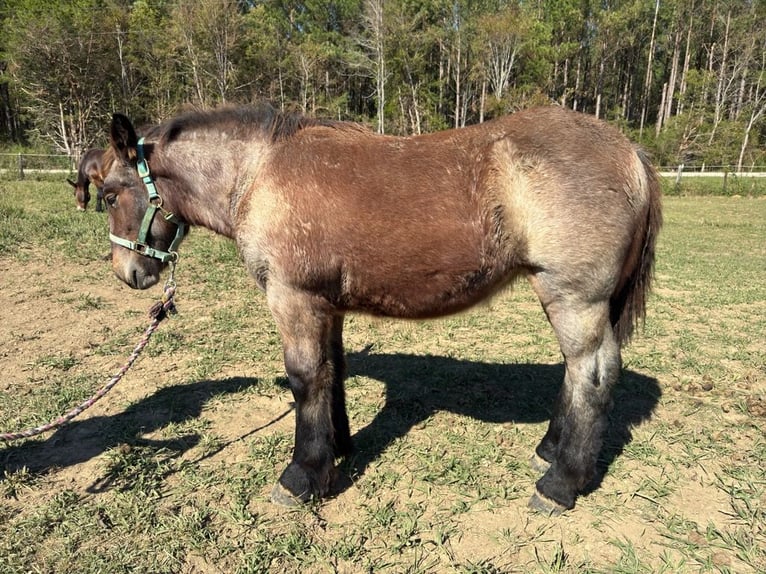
(331, 219)
(89, 171)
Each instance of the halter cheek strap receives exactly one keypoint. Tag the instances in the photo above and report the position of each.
(140, 245)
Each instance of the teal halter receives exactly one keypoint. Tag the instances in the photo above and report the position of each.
(155, 204)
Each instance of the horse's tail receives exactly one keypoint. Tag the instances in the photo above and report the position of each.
(628, 303)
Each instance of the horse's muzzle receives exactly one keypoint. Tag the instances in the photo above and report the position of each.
(135, 275)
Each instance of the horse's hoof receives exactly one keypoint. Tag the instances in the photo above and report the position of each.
(544, 505)
(539, 464)
(283, 497)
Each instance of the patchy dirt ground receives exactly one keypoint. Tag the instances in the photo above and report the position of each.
(683, 484)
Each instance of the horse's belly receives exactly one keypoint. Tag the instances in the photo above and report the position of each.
(419, 293)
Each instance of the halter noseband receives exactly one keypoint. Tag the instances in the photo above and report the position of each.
(155, 204)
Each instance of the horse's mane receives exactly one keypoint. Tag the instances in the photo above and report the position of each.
(107, 160)
(262, 120)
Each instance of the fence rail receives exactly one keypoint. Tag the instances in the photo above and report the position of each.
(665, 172)
(15, 165)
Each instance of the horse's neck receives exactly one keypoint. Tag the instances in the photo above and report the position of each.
(203, 187)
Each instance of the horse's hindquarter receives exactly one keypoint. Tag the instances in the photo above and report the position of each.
(90, 166)
(392, 226)
(577, 192)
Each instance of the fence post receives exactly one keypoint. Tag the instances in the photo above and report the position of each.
(678, 175)
(21, 166)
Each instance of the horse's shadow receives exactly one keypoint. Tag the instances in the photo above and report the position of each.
(418, 386)
(415, 387)
(81, 440)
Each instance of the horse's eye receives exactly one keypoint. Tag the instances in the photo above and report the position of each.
(111, 199)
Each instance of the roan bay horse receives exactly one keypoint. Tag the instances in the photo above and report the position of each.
(330, 218)
(89, 171)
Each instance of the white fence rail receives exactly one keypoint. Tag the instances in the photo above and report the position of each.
(665, 173)
(16, 165)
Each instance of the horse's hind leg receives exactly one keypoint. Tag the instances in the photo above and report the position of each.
(312, 342)
(571, 446)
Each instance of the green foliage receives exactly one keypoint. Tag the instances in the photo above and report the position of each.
(57, 58)
(66, 66)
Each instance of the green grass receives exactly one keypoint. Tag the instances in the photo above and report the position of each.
(171, 472)
(696, 186)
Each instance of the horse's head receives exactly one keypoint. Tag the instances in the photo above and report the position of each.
(81, 195)
(144, 235)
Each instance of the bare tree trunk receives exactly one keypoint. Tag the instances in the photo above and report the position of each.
(661, 114)
(458, 78)
(687, 57)
(380, 76)
(758, 110)
(442, 76)
(374, 20)
(483, 99)
(305, 67)
(414, 113)
(66, 143)
(195, 72)
(464, 102)
(668, 111)
(720, 94)
(624, 99)
(741, 93)
(500, 63)
(404, 112)
(600, 80)
(578, 75)
(223, 40)
(123, 67)
(648, 77)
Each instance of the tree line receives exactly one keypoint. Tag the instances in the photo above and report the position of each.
(685, 78)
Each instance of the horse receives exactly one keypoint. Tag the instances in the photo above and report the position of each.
(89, 171)
(330, 218)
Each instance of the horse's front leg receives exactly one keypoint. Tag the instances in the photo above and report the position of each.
(342, 443)
(311, 338)
(99, 199)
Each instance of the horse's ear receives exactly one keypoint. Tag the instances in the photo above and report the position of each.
(122, 137)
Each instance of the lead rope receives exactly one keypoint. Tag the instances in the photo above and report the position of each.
(157, 312)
